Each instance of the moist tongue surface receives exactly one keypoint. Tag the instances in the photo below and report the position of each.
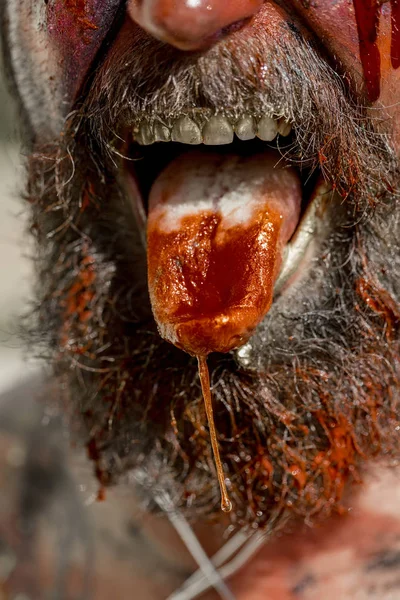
(217, 226)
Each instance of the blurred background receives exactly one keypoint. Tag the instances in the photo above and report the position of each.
(15, 266)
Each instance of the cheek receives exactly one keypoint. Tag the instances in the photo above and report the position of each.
(51, 46)
(76, 30)
(366, 45)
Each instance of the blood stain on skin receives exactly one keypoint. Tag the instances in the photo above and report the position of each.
(367, 16)
(72, 26)
(79, 10)
(101, 475)
(395, 46)
(367, 13)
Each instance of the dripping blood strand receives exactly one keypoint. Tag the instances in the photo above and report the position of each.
(367, 17)
(217, 227)
(395, 44)
(226, 504)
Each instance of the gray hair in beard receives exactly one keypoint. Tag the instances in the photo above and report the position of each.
(116, 389)
(284, 76)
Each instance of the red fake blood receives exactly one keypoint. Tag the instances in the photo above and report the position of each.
(76, 303)
(367, 13)
(335, 463)
(367, 16)
(79, 11)
(76, 28)
(210, 286)
(395, 45)
(216, 230)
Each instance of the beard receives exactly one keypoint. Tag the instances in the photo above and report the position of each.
(316, 394)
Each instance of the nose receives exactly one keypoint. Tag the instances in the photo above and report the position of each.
(191, 24)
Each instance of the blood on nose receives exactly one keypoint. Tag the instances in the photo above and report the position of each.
(191, 24)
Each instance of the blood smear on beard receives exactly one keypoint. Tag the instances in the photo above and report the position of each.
(217, 227)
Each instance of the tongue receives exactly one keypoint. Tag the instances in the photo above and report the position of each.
(217, 227)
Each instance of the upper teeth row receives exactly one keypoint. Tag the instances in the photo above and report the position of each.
(217, 130)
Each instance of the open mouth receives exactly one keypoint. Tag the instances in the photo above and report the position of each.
(229, 225)
(175, 144)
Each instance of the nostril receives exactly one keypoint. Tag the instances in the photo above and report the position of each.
(192, 24)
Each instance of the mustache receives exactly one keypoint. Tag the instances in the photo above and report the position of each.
(282, 76)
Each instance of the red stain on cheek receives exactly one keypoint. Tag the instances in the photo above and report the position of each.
(75, 32)
(79, 11)
(72, 18)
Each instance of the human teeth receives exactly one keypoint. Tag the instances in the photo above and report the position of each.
(284, 127)
(245, 128)
(217, 131)
(267, 129)
(145, 136)
(212, 130)
(186, 131)
(161, 133)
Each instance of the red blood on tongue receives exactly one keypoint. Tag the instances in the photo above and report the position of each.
(217, 226)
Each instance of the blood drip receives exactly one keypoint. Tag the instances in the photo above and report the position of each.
(367, 17)
(226, 504)
(367, 14)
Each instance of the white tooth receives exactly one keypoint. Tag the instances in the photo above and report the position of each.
(186, 131)
(217, 131)
(245, 128)
(267, 129)
(145, 136)
(284, 127)
(161, 133)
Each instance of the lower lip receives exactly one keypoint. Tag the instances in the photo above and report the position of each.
(299, 250)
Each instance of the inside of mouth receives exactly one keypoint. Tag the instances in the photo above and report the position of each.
(147, 162)
(148, 166)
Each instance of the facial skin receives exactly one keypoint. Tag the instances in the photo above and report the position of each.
(314, 395)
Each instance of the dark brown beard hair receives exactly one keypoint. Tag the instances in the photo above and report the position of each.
(298, 422)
